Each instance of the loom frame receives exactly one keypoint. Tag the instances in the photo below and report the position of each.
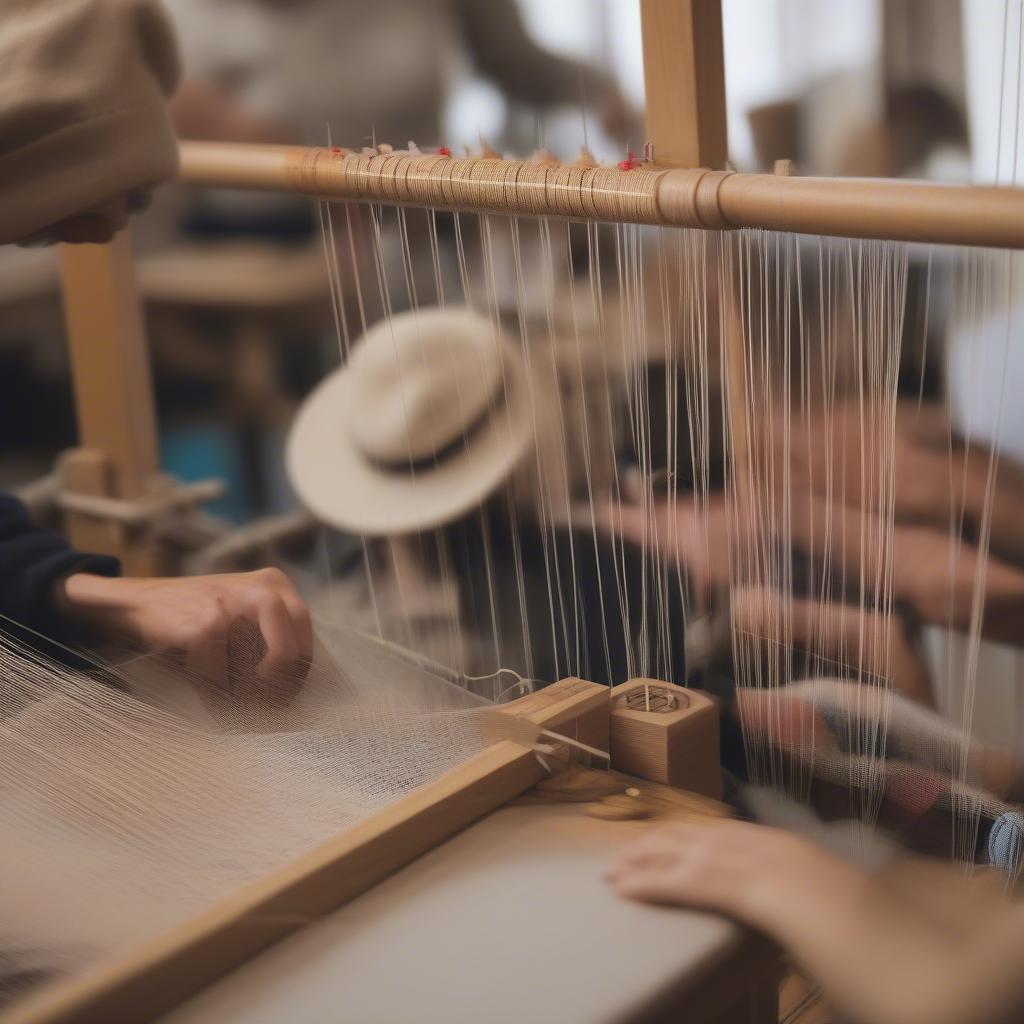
(166, 970)
(686, 184)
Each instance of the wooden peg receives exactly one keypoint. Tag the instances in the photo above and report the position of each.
(668, 734)
(90, 471)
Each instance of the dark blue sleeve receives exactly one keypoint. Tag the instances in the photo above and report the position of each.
(32, 560)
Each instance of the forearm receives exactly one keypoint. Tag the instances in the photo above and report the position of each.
(503, 51)
(874, 958)
(202, 110)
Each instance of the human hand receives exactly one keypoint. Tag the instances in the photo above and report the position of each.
(95, 226)
(191, 617)
(702, 537)
(946, 579)
(877, 644)
(749, 872)
(866, 455)
(876, 954)
(206, 110)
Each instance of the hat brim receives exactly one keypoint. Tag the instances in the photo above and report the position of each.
(339, 485)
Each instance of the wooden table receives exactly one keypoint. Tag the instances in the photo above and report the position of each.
(509, 921)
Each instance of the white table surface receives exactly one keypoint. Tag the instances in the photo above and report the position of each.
(509, 921)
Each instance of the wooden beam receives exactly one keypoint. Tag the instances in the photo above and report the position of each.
(113, 389)
(165, 971)
(684, 77)
(893, 210)
(110, 361)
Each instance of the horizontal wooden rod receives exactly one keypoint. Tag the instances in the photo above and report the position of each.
(896, 210)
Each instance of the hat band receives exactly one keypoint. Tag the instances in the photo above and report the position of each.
(448, 451)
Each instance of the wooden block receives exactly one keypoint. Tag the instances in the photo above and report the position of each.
(666, 734)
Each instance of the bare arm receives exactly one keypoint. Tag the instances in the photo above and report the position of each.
(881, 953)
(193, 617)
(502, 50)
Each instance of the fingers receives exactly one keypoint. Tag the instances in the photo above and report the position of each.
(206, 610)
(287, 617)
(95, 226)
(275, 608)
(275, 625)
(727, 867)
(657, 851)
(665, 867)
(664, 885)
(205, 643)
(207, 657)
(302, 621)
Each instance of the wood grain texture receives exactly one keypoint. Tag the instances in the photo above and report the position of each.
(684, 79)
(614, 796)
(891, 209)
(163, 972)
(113, 389)
(677, 748)
(90, 471)
(110, 361)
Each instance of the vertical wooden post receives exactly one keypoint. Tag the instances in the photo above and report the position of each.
(113, 389)
(684, 77)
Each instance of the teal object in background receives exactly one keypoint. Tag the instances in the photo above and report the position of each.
(200, 451)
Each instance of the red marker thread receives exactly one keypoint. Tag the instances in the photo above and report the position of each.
(443, 151)
(630, 163)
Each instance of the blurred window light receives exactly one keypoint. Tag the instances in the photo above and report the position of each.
(775, 50)
(475, 109)
(994, 55)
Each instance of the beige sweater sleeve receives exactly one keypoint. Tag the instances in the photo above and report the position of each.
(83, 116)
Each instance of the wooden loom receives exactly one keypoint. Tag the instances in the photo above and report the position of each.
(113, 493)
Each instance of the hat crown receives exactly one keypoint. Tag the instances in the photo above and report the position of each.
(421, 382)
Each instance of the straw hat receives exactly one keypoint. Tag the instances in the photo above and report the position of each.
(428, 416)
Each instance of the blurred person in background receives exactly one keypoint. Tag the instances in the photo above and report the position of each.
(84, 135)
(265, 70)
(309, 71)
(273, 71)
